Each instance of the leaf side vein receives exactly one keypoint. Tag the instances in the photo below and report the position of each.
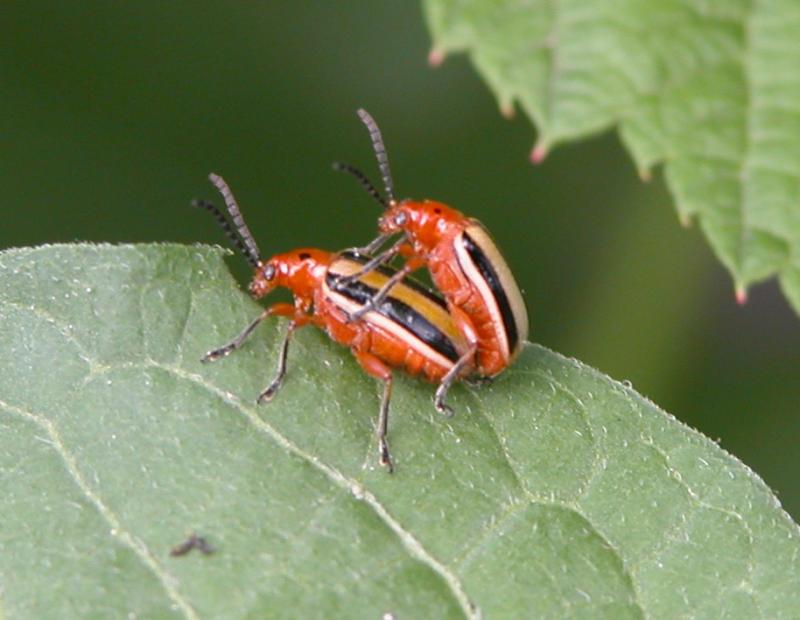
(167, 581)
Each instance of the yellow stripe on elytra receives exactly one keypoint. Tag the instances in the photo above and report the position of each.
(507, 281)
(401, 332)
(433, 312)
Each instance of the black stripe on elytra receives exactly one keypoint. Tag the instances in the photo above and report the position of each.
(484, 265)
(387, 271)
(400, 313)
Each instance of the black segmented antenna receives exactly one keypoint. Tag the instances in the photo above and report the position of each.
(229, 232)
(361, 178)
(252, 253)
(380, 152)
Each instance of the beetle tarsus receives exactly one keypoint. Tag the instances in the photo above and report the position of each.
(268, 394)
(237, 342)
(448, 380)
(369, 306)
(441, 407)
(383, 426)
(385, 457)
(216, 354)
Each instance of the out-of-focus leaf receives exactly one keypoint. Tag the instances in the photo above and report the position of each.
(708, 88)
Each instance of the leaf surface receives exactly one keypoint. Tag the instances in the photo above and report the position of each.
(553, 493)
(708, 88)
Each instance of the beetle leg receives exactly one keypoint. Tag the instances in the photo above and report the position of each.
(376, 261)
(280, 309)
(479, 381)
(375, 367)
(373, 245)
(272, 388)
(373, 302)
(450, 378)
(464, 325)
(236, 342)
(383, 426)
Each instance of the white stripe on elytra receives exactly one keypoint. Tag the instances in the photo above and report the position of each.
(474, 275)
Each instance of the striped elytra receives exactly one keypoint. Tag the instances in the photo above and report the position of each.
(464, 262)
(484, 266)
(414, 314)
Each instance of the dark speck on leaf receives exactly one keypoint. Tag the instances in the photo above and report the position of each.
(193, 542)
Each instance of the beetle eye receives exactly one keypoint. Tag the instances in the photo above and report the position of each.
(269, 272)
(400, 219)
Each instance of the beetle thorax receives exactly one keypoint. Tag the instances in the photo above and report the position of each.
(426, 223)
(301, 271)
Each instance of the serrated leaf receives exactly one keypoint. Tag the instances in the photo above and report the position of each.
(554, 493)
(711, 89)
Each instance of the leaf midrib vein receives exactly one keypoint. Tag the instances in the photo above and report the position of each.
(355, 488)
(411, 544)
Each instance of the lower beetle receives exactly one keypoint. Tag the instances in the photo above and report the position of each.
(409, 328)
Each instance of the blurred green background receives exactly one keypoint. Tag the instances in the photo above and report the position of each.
(112, 114)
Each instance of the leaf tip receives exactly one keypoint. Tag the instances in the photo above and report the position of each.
(741, 295)
(507, 110)
(645, 175)
(539, 153)
(685, 219)
(435, 57)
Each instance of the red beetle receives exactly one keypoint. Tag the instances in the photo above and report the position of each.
(409, 328)
(465, 265)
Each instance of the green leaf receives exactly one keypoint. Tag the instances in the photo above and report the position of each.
(708, 88)
(554, 493)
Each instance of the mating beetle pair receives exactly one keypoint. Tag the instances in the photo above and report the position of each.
(387, 319)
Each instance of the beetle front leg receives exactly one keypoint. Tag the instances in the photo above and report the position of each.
(375, 301)
(280, 309)
(373, 245)
(374, 262)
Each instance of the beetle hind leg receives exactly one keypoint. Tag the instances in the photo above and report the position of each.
(383, 427)
(378, 369)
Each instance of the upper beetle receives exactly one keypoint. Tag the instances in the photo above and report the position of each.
(465, 265)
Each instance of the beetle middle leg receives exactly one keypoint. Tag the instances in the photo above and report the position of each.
(467, 360)
(272, 388)
(451, 377)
